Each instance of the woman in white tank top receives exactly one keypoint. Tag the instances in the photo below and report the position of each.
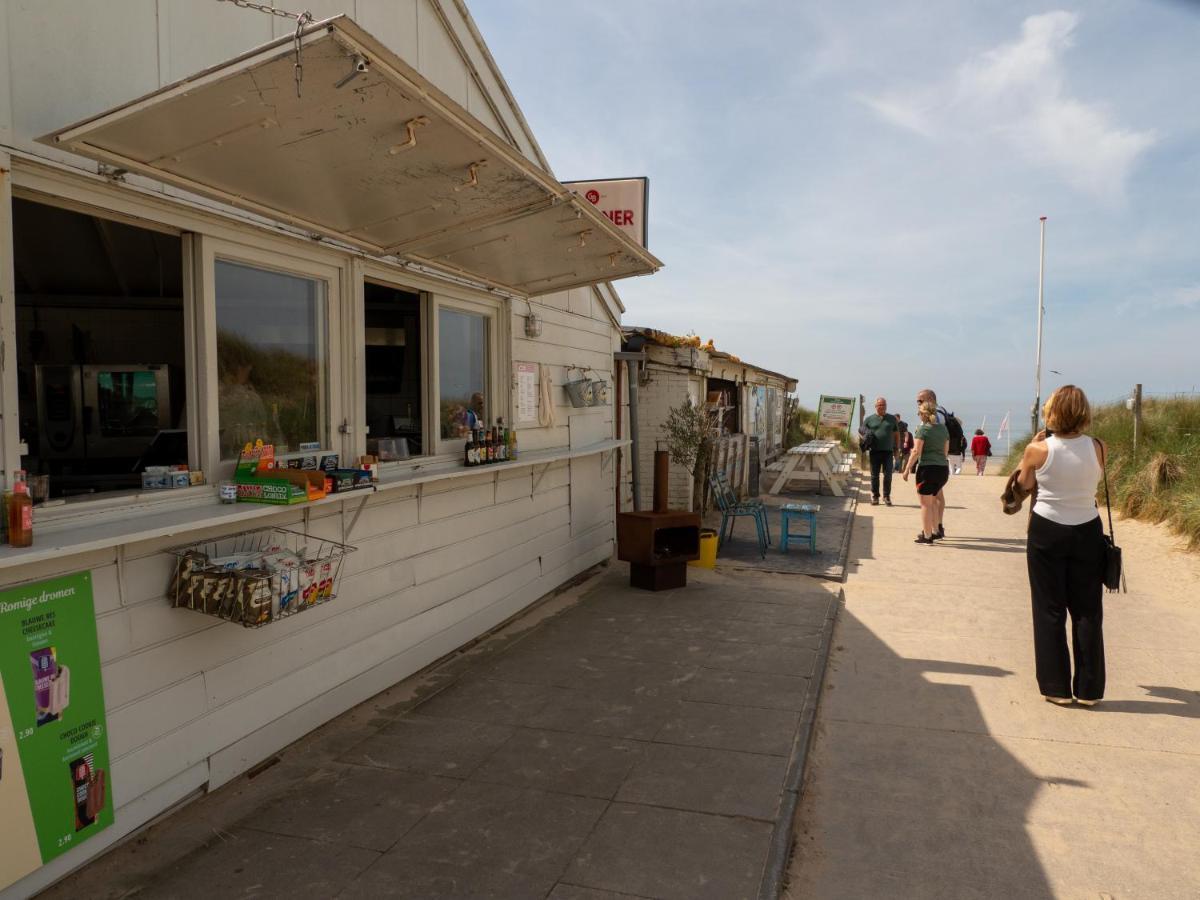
(1065, 550)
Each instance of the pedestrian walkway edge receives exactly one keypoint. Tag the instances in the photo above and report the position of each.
(779, 852)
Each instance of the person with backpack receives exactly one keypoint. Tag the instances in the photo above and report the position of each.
(956, 442)
(931, 441)
(880, 436)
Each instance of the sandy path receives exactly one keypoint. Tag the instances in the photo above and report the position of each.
(938, 769)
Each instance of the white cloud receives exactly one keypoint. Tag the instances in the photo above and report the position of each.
(1017, 92)
(1181, 298)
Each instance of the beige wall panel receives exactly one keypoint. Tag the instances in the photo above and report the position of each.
(384, 550)
(156, 763)
(514, 485)
(113, 635)
(439, 61)
(394, 22)
(588, 494)
(478, 106)
(579, 301)
(198, 35)
(157, 622)
(52, 568)
(113, 58)
(106, 588)
(590, 427)
(5, 79)
(146, 577)
(383, 581)
(152, 717)
(382, 514)
(583, 544)
(453, 502)
(437, 563)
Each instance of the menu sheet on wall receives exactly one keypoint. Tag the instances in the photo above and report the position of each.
(526, 375)
(54, 786)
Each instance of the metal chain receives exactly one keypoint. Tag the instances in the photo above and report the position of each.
(302, 19)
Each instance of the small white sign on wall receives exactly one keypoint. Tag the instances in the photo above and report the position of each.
(525, 376)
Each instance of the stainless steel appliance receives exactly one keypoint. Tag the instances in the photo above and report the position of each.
(101, 411)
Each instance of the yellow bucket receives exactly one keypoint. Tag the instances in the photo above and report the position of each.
(708, 550)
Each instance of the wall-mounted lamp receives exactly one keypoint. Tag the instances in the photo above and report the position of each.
(533, 325)
(359, 66)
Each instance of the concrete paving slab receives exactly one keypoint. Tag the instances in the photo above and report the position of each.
(246, 863)
(721, 727)
(477, 699)
(581, 764)
(723, 782)
(360, 807)
(572, 892)
(774, 660)
(667, 853)
(748, 689)
(430, 745)
(635, 716)
(486, 840)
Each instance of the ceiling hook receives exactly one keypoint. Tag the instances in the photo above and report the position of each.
(473, 179)
(411, 127)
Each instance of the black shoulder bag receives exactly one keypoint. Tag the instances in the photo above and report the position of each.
(1113, 574)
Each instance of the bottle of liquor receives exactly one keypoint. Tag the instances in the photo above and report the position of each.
(491, 446)
(20, 513)
(469, 452)
(501, 443)
(512, 443)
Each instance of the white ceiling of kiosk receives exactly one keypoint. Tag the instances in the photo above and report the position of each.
(385, 162)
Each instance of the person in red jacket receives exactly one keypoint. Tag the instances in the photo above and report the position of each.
(981, 449)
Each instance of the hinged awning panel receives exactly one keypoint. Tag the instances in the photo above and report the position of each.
(381, 160)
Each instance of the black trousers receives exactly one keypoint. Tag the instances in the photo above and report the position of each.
(881, 461)
(1065, 576)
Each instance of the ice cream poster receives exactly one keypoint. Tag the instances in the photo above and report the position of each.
(54, 784)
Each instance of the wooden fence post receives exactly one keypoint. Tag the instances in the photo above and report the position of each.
(1137, 417)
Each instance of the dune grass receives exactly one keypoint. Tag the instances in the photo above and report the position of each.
(1162, 483)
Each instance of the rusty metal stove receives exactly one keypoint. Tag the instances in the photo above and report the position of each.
(658, 544)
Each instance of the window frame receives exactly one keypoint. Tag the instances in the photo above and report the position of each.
(14, 445)
(495, 392)
(212, 249)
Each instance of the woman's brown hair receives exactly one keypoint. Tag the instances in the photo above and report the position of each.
(1067, 411)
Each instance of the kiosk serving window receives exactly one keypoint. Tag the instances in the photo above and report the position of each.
(272, 358)
(100, 348)
(393, 322)
(462, 372)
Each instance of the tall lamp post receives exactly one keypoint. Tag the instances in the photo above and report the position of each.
(1037, 375)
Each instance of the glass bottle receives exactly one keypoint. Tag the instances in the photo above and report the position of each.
(20, 513)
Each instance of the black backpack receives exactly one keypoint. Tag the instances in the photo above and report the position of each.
(866, 439)
(958, 439)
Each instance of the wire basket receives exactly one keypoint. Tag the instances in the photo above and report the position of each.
(254, 578)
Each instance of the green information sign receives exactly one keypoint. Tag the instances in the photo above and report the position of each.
(54, 786)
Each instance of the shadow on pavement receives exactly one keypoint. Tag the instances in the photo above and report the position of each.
(1179, 702)
(908, 795)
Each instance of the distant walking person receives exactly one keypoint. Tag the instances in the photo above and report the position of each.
(931, 444)
(1064, 550)
(885, 443)
(981, 449)
(943, 418)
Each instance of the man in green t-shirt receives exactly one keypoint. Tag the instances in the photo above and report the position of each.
(885, 428)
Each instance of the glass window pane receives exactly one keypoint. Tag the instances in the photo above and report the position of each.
(392, 320)
(462, 371)
(270, 358)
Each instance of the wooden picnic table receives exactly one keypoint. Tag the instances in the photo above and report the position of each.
(824, 458)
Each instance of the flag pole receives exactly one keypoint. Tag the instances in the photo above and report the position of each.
(1037, 375)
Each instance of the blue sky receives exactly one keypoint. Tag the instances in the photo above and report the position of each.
(849, 192)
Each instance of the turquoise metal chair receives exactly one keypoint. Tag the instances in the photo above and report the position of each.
(802, 512)
(731, 508)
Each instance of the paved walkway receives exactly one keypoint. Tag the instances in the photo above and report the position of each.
(613, 743)
(939, 771)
